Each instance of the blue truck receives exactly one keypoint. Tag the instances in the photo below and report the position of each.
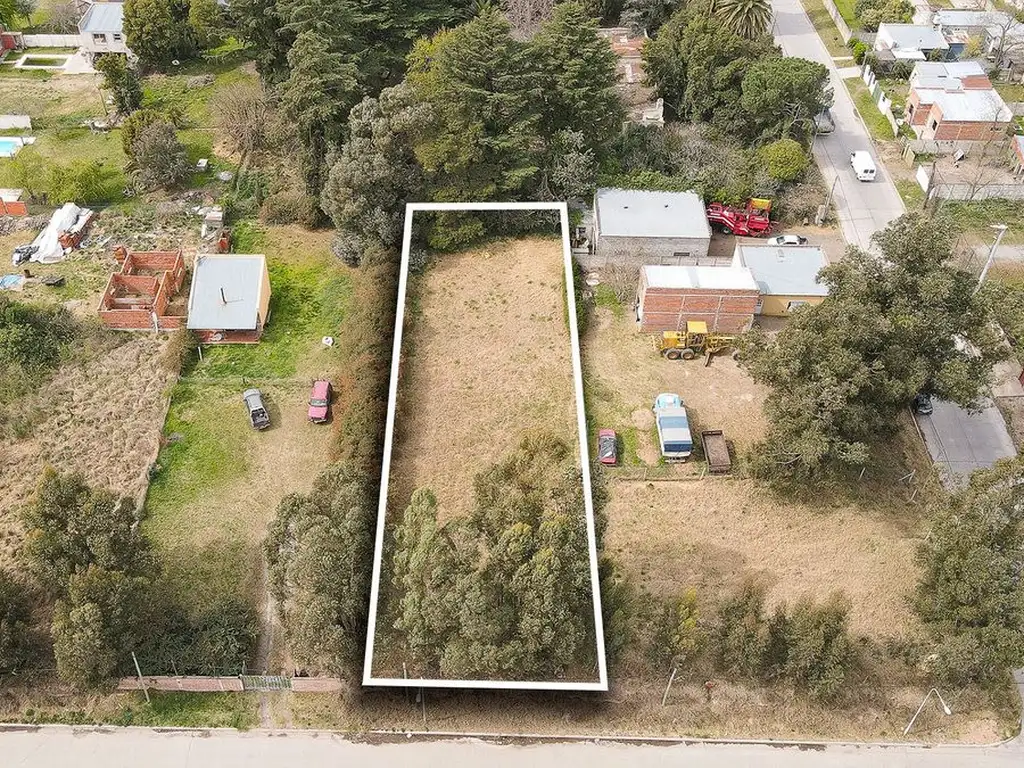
(674, 438)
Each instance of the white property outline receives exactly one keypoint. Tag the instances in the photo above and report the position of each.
(577, 371)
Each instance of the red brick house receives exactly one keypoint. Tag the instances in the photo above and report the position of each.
(723, 297)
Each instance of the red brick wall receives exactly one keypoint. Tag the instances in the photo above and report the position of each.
(17, 208)
(918, 112)
(668, 309)
(949, 130)
(127, 319)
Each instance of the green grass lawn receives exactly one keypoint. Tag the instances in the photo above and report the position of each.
(847, 10)
(171, 709)
(878, 126)
(827, 30)
(38, 60)
(1010, 91)
(912, 194)
(978, 216)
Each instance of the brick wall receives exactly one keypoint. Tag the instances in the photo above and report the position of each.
(950, 130)
(16, 208)
(192, 684)
(917, 110)
(668, 309)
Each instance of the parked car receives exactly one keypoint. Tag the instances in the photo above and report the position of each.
(607, 447)
(923, 404)
(258, 416)
(674, 438)
(787, 240)
(320, 401)
(863, 165)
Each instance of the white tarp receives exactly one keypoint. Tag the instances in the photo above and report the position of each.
(63, 220)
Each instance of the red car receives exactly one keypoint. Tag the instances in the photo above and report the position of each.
(607, 447)
(320, 401)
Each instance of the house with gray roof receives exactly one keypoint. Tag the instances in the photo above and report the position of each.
(102, 28)
(786, 276)
(910, 42)
(229, 301)
(636, 227)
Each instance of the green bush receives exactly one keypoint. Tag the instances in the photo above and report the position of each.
(784, 159)
(859, 49)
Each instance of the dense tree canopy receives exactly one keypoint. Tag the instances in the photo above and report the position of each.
(782, 96)
(523, 609)
(16, 645)
(971, 592)
(157, 31)
(895, 323)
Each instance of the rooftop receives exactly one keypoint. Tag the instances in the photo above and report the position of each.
(226, 292)
(973, 106)
(913, 36)
(103, 17)
(623, 42)
(784, 271)
(946, 70)
(959, 17)
(639, 213)
(736, 278)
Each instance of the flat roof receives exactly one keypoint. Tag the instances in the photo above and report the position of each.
(642, 213)
(947, 69)
(103, 17)
(973, 106)
(240, 277)
(789, 270)
(919, 36)
(737, 278)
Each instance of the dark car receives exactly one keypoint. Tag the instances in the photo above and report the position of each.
(607, 447)
(923, 404)
(320, 401)
(258, 416)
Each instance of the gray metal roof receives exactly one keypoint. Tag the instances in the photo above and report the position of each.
(639, 213)
(103, 17)
(787, 270)
(240, 277)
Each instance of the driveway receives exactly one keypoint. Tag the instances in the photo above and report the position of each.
(57, 747)
(862, 208)
(960, 442)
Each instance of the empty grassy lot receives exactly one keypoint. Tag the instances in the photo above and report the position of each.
(487, 358)
(218, 481)
(875, 121)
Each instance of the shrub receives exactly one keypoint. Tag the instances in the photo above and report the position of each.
(16, 646)
(784, 159)
(289, 208)
(818, 651)
(158, 158)
(741, 637)
(180, 352)
(860, 50)
(83, 182)
(133, 125)
(122, 80)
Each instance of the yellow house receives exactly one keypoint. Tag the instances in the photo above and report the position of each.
(786, 276)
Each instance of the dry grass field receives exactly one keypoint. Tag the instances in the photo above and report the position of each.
(100, 417)
(487, 357)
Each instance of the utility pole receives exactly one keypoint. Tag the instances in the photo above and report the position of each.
(142, 682)
(1001, 228)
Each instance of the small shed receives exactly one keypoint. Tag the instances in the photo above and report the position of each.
(786, 276)
(668, 296)
(636, 227)
(230, 298)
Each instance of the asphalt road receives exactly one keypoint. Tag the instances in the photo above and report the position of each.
(960, 442)
(58, 747)
(861, 207)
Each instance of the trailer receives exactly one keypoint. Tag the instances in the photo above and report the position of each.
(716, 451)
(755, 221)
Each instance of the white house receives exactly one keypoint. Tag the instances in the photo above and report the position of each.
(910, 41)
(102, 29)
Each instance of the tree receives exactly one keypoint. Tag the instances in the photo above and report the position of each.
(574, 171)
(71, 526)
(157, 31)
(697, 66)
(319, 553)
(15, 614)
(741, 638)
(98, 623)
(747, 18)
(133, 125)
(206, 23)
(376, 170)
(648, 15)
(243, 113)
(894, 324)
(783, 95)
(578, 70)
(874, 12)
(321, 89)
(970, 593)
(121, 79)
(63, 18)
(683, 635)
(483, 142)
(11, 11)
(158, 158)
(818, 651)
(526, 16)
(784, 159)
(261, 24)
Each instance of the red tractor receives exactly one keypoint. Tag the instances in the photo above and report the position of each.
(754, 221)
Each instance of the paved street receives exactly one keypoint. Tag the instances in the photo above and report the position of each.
(862, 207)
(58, 747)
(960, 442)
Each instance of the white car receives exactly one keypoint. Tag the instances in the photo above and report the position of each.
(787, 240)
(863, 165)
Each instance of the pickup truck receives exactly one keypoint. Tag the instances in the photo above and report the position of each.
(674, 438)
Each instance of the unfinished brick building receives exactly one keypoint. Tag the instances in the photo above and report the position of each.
(140, 296)
(726, 298)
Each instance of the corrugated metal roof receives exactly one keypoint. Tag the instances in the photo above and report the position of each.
(103, 17)
(973, 106)
(785, 271)
(240, 277)
(640, 213)
(735, 278)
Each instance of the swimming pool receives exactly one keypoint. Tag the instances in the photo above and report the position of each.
(9, 145)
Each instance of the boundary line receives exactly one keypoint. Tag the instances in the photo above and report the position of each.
(389, 433)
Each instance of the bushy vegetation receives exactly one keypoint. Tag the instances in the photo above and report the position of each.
(85, 182)
(17, 644)
(874, 12)
(503, 592)
(33, 342)
(894, 324)
(970, 594)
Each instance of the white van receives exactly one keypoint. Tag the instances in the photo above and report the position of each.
(863, 165)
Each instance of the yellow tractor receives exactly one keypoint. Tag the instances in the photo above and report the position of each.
(696, 340)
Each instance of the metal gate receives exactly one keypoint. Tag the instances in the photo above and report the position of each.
(266, 683)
